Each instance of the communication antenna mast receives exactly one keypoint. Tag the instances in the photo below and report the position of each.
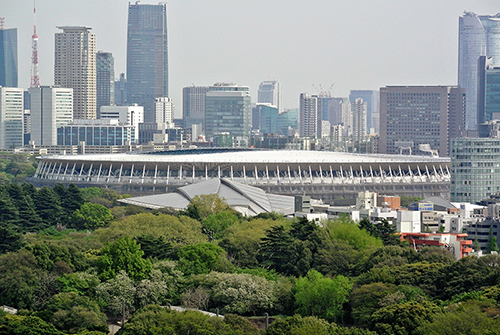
(2, 23)
(35, 78)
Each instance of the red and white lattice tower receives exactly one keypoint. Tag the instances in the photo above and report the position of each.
(35, 78)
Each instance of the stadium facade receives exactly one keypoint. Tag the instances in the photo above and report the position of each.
(319, 174)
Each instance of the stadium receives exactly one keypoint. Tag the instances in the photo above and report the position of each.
(320, 174)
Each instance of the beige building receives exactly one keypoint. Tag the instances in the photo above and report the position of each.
(75, 67)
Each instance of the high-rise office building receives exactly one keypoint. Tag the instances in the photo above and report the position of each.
(415, 115)
(8, 57)
(359, 116)
(268, 115)
(309, 116)
(474, 172)
(228, 110)
(193, 105)
(147, 55)
(11, 117)
(479, 35)
(371, 97)
(488, 92)
(164, 111)
(121, 90)
(270, 92)
(51, 108)
(105, 77)
(75, 67)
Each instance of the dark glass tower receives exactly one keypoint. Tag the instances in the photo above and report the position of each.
(105, 76)
(147, 56)
(8, 57)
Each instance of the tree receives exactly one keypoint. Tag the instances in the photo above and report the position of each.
(365, 300)
(323, 297)
(351, 233)
(241, 240)
(276, 249)
(154, 247)
(72, 199)
(158, 289)
(301, 326)
(469, 317)
(202, 258)
(19, 279)
(74, 313)
(10, 239)
(215, 225)
(25, 325)
(91, 216)
(491, 244)
(29, 220)
(117, 293)
(403, 318)
(241, 293)
(201, 206)
(154, 319)
(123, 255)
(48, 206)
(177, 231)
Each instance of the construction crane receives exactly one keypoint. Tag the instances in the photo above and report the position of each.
(323, 93)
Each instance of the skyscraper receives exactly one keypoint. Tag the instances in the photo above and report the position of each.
(359, 108)
(147, 55)
(51, 108)
(121, 90)
(193, 105)
(414, 115)
(11, 117)
(8, 57)
(488, 92)
(75, 67)
(105, 77)
(309, 116)
(228, 109)
(371, 97)
(270, 92)
(479, 35)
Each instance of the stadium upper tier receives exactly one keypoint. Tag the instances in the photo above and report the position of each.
(329, 174)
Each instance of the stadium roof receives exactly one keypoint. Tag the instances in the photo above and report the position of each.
(245, 199)
(255, 157)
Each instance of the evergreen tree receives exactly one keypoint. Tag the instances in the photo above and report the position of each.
(491, 245)
(72, 200)
(29, 220)
(49, 208)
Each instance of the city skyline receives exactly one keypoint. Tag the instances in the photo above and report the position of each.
(362, 45)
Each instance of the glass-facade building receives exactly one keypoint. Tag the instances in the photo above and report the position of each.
(11, 117)
(96, 132)
(475, 168)
(147, 56)
(268, 119)
(105, 77)
(228, 110)
(479, 35)
(8, 58)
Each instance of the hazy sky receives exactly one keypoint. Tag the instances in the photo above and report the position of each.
(350, 44)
